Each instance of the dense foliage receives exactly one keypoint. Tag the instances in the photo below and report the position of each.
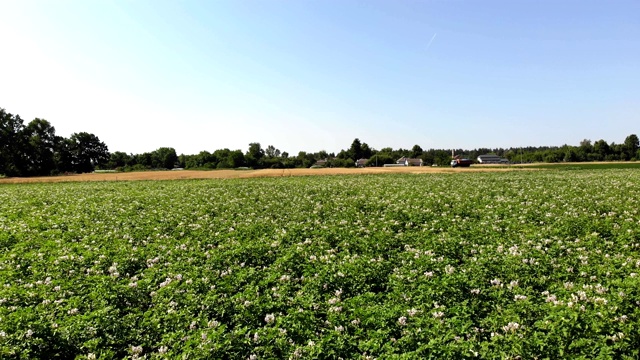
(257, 157)
(35, 149)
(498, 265)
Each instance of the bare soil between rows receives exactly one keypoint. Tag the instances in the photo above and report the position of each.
(242, 174)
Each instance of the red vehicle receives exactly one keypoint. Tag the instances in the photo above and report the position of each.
(459, 162)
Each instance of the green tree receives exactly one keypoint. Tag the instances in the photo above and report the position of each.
(41, 142)
(254, 155)
(272, 152)
(236, 159)
(164, 157)
(87, 152)
(366, 152)
(631, 146)
(11, 144)
(355, 151)
(601, 148)
(118, 159)
(416, 151)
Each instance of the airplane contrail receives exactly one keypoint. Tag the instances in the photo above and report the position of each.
(430, 41)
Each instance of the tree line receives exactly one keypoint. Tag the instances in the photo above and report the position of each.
(34, 149)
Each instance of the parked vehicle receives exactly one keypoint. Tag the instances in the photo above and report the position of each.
(460, 162)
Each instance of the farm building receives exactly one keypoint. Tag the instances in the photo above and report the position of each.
(409, 161)
(491, 159)
(361, 162)
(322, 162)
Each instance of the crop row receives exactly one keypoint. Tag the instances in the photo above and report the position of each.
(495, 265)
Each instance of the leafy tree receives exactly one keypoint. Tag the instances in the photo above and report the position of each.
(11, 144)
(380, 160)
(87, 152)
(254, 155)
(272, 152)
(41, 142)
(322, 154)
(62, 155)
(118, 159)
(164, 157)
(416, 151)
(631, 145)
(601, 148)
(366, 152)
(236, 159)
(586, 146)
(355, 151)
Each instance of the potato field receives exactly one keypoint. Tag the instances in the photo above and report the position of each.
(539, 264)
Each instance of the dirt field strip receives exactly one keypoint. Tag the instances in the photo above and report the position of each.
(241, 174)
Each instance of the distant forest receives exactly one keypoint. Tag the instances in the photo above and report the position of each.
(34, 149)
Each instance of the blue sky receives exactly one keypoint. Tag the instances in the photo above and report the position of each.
(314, 75)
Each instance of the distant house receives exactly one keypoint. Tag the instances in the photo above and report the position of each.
(413, 162)
(361, 162)
(322, 162)
(409, 161)
(491, 159)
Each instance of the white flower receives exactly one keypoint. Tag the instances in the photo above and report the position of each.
(496, 282)
(437, 314)
(339, 328)
(511, 327)
(91, 356)
(29, 333)
(600, 300)
(269, 318)
(163, 350)
(73, 311)
(402, 320)
(475, 291)
(136, 350)
(412, 312)
(519, 297)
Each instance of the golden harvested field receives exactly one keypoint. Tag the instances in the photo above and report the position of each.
(237, 174)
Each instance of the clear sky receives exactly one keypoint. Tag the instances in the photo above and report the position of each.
(314, 75)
